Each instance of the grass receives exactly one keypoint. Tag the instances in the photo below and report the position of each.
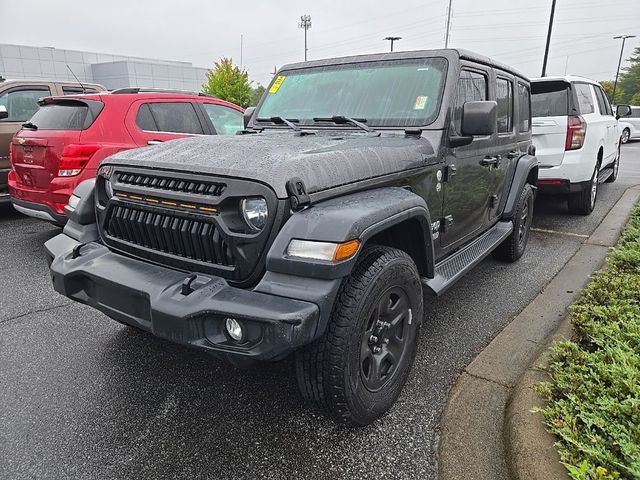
(594, 394)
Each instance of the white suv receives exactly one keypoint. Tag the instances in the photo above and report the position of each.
(577, 138)
(630, 126)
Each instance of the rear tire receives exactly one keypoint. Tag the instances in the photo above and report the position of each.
(515, 244)
(583, 202)
(356, 370)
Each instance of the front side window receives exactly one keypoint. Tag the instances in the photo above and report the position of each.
(22, 104)
(226, 121)
(585, 98)
(390, 93)
(603, 102)
(174, 117)
(472, 87)
(504, 97)
(524, 108)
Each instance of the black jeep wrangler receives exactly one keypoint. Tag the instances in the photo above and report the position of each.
(357, 184)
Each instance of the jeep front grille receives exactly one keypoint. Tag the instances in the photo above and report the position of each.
(213, 189)
(197, 239)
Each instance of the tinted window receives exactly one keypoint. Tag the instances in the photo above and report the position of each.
(524, 108)
(61, 117)
(176, 118)
(584, 97)
(387, 93)
(22, 104)
(504, 90)
(226, 121)
(549, 99)
(472, 87)
(145, 120)
(78, 90)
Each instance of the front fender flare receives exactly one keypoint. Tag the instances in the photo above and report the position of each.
(356, 216)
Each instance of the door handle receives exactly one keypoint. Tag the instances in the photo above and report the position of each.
(154, 142)
(489, 161)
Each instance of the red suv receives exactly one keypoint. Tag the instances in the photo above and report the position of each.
(66, 139)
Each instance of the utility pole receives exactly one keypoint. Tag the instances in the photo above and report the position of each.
(392, 39)
(546, 49)
(305, 23)
(241, 51)
(446, 38)
(615, 84)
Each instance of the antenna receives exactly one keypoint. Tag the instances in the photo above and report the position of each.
(84, 90)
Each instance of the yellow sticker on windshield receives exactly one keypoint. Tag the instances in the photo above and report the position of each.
(276, 85)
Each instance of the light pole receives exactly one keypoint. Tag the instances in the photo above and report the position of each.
(392, 39)
(615, 84)
(305, 23)
(546, 48)
(446, 38)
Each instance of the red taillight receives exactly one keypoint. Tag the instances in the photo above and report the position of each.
(11, 147)
(75, 157)
(576, 130)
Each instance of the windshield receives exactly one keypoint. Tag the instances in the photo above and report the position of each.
(395, 93)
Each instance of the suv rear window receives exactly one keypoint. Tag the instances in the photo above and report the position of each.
(68, 115)
(549, 99)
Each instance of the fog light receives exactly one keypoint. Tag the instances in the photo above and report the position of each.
(234, 329)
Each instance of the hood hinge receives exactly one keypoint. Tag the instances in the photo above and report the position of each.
(297, 194)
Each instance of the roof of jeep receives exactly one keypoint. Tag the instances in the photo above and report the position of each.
(447, 53)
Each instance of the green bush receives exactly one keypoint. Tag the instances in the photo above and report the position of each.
(594, 393)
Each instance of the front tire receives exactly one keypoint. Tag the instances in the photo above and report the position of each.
(616, 166)
(515, 244)
(626, 135)
(583, 202)
(356, 370)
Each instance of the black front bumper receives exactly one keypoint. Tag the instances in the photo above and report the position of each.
(151, 297)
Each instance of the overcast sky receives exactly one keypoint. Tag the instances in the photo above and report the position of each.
(201, 32)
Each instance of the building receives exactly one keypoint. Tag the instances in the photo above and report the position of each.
(112, 71)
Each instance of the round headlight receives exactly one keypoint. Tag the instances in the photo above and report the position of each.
(255, 212)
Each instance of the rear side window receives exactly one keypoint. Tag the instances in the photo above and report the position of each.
(603, 103)
(549, 99)
(226, 121)
(584, 97)
(23, 103)
(63, 116)
(524, 108)
(178, 117)
(145, 120)
(504, 90)
(472, 87)
(77, 90)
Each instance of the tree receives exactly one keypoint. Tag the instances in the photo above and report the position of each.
(607, 85)
(256, 95)
(630, 79)
(227, 82)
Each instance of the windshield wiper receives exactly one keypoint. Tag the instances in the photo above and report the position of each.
(281, 121)
(342, 120)
(30, 125)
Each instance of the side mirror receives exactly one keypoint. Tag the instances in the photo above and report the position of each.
(479, 118)
(623, 111)
(3, 112)
(246, 118)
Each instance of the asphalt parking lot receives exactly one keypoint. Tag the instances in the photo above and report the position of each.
(83, 397)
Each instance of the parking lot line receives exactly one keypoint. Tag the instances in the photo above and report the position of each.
(556, 232)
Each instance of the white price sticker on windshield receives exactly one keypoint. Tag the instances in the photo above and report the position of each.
(421, 102)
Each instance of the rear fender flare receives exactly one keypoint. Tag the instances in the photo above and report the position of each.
(526, 172)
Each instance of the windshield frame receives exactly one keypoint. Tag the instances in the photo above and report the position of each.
(363, 64)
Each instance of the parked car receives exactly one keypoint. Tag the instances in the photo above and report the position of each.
(630, 126)
(357, 183)
(577, 139)
(66, 139)
(18, 102)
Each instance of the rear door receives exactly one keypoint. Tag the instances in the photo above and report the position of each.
(21, 103)
(550, 106)
(153, 121)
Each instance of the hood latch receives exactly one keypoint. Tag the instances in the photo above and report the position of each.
(297, 194)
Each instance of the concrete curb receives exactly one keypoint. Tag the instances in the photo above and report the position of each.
(473, 440)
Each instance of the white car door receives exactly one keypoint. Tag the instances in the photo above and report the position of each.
(613, 129)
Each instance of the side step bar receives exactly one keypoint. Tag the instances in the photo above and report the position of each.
(450, 270)
(604, 174)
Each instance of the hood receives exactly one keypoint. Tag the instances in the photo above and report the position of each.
(322, 161)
